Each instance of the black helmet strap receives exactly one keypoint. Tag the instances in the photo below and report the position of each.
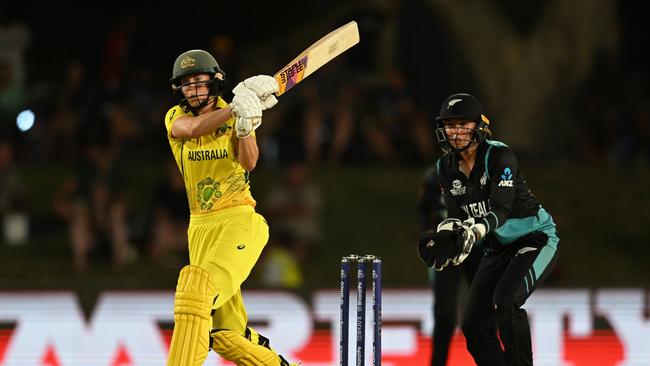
(215, 88)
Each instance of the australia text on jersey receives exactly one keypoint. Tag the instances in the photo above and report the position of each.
(207, 155)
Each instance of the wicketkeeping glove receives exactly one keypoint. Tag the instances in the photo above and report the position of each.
(470, 233)
(437, 249)
(441, 247)
(450, 243)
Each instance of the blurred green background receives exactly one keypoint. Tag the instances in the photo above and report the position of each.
(563, 82)
(370, 209)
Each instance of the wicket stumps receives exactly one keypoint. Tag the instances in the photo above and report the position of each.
(361, 261)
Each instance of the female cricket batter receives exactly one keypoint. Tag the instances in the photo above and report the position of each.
(482, 185)
(215, 148)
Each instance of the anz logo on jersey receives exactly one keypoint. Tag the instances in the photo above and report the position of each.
(506, 178)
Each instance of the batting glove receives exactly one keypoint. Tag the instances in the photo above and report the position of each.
(247, 111)
(263, 86)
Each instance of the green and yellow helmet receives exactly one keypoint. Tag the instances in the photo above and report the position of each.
(197, 62)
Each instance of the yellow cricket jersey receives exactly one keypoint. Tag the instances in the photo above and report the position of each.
(213, 177)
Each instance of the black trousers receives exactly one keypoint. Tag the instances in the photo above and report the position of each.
(504, 280)
(445, 308)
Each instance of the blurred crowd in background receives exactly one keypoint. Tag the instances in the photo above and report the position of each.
(561, 82)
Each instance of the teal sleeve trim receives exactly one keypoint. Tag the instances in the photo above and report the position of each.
(513, 229)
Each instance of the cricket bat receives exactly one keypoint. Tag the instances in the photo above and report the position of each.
(318, 54)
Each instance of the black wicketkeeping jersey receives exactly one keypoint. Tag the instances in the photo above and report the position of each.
(495, 193)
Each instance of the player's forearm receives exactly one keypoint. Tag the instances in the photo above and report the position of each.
(248, 152)
(494, 219)
(191, 127)
(501, 203)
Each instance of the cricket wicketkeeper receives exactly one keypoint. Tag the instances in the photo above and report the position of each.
(487, 200)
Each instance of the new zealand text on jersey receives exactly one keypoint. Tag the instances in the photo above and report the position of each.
(207, 155)
(476, 209)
